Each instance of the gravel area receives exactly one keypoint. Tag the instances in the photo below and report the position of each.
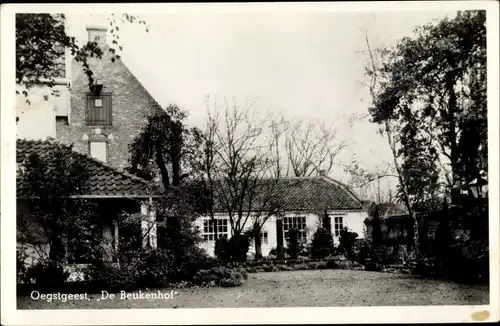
(310, 288)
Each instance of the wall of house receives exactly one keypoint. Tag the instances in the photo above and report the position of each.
(353, 220)
(131, 104)
(37, 119)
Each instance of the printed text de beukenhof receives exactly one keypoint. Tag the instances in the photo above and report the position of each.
(123, 295)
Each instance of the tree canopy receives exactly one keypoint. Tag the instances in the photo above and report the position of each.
(432, 90)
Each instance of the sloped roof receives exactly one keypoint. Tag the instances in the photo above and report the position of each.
(104, 181)
(292, 194)
(104, 65)
(313, 193)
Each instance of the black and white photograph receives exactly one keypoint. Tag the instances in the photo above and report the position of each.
(172, 157)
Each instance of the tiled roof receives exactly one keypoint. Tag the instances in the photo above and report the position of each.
(315, 193)
(297, 194)
(104, 181)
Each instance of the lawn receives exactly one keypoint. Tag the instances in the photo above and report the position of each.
(313, 288)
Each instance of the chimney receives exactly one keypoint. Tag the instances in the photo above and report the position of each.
(322, 173)
(97, 34)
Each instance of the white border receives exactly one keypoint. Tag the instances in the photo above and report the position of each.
(11, 316)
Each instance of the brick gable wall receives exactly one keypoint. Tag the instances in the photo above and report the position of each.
(131, 104)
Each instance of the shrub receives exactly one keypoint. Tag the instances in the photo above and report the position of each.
(219, 276)
(347, 241)
(110, 277)
(317, 265)
(47, 276)
(363, 250)
(322, 243)
(331, 264)
(233, 250)
(300, 267)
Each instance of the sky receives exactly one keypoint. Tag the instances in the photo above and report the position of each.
(306, 65)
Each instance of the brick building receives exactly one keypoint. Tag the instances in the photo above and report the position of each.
(103, 122)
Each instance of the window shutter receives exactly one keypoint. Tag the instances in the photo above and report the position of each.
(99, 116)
(90, 106)
(108, 110)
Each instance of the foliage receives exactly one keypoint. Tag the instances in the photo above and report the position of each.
(163, 145)
(41, 41)
(322, 243)
(48, 276)
(51, 181)
(433, 88)
(219, 276)
(346, 242)
(233, 250)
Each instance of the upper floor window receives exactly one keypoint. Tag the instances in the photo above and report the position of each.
(99, 111)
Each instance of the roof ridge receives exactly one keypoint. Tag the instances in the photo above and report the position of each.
(54, 141)
(342, 185)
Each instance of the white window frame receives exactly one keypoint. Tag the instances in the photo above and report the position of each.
(299, 222)
(338, 225)
(264, 238)
(208, 231)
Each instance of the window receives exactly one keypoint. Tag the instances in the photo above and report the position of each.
(263, 238)
(99, 112)
(99, 150)
(298, 222)
(339, 225)
(209, 230)
(98, 102)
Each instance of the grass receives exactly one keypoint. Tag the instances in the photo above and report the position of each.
(313, 288)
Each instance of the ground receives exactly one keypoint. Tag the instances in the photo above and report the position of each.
(317, 288)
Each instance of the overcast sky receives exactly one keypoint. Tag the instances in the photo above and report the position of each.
(304, 65)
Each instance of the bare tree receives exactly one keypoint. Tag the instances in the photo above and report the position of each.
(236, 168)
(311, 147)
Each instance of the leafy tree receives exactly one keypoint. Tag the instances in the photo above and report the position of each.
(162, 145)
(435, 83)
(51, 182)
(429, 97)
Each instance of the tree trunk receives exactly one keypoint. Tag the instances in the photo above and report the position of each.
(176, 171)
(160, 162)
(280, 252)
(258, 242)
(57, 250)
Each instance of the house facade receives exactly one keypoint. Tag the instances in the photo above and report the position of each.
(100, 123)
(304, 204)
